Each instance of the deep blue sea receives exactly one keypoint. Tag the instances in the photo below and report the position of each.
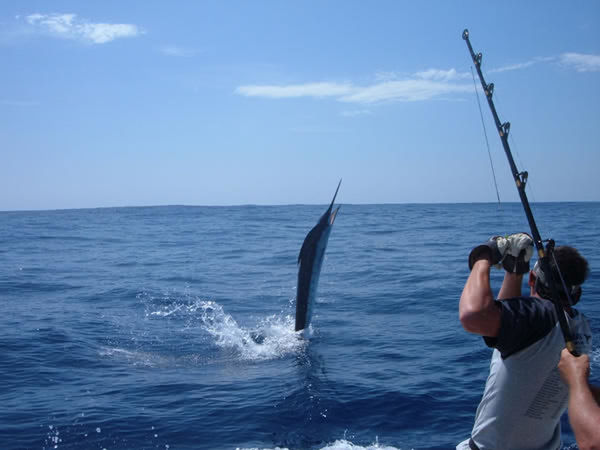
(172, 327)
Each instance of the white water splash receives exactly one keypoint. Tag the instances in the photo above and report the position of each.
(273, 338)
(166, 311)
(52, 438)
(340, 444)
(256, 448)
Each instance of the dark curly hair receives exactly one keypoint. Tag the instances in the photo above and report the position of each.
(574, 269)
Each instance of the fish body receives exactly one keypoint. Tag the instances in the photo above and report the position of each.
(310, 261)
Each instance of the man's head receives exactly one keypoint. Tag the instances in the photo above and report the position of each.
(573, 268)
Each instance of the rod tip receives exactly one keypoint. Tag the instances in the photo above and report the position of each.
(465, 34)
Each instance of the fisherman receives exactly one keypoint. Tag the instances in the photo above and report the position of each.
(524, 396)
(584, 400)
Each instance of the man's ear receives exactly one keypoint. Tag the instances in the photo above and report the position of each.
(531, 281)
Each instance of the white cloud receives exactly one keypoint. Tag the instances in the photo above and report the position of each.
(413, 89)
(404, 91)
(296, 90)
(581, 62)
(523, 65)
(70, 27)
(174, 50)
(442, 75)
(389, 86)
(512, 67)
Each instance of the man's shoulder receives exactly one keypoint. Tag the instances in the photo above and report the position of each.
(530, 306)
(524, 320)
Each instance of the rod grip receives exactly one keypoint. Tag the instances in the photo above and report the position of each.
(571, 347)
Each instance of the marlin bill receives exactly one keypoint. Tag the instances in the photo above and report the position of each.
(310, 261)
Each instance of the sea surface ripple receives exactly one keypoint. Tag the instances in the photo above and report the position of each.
(172, 327)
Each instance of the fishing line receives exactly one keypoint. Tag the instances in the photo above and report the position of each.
(498, 100)
(562, 280)
(514, 145)
(487, 143)
(529, 185)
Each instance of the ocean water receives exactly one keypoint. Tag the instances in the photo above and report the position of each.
(172, 327)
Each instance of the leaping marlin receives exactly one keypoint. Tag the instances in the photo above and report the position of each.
(310, 260)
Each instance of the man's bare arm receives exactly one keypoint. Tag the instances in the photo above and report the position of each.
(584, 415)
(478, 311)
(584, 410)
(511, 286)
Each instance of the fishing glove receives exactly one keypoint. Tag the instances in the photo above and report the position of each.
(494, 250)
(518, 253)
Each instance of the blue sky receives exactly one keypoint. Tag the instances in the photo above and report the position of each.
(271, 102)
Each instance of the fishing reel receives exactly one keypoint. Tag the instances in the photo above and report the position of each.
(550, 244)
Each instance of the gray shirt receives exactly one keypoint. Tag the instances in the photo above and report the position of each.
(524, 396)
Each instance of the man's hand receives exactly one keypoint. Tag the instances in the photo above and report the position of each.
(584, 411)
(493, 250)
(513, 252)
(518, 253)
(574, 370)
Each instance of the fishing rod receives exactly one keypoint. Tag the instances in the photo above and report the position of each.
(521, 180)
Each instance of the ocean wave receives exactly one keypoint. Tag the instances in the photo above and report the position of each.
(125, 343)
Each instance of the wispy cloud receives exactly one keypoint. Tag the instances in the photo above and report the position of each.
(581, 62)
(442, 75)
(523, 65)
(403, 91)
(318, 90)
(424, 85)
(180, 52)
(71, 27)
(421, 86)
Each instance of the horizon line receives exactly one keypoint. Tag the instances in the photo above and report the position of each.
(242, 205)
